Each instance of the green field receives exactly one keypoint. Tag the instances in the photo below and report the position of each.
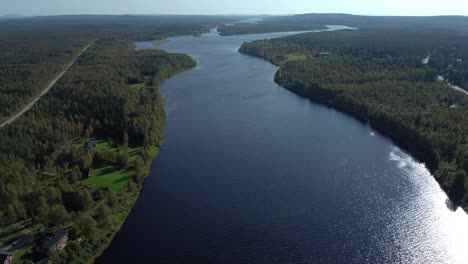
(296, 57)
(109, 175)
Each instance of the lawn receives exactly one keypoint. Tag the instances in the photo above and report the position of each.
(296, 57)
(102, 143)
(109, 175)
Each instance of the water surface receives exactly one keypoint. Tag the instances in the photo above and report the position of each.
(251, 173)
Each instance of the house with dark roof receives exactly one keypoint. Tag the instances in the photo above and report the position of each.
(6, 258)
(55, 241)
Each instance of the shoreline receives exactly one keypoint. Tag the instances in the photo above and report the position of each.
(324, 97)
(136, 195)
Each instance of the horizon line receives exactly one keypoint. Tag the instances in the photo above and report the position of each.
(247, 15)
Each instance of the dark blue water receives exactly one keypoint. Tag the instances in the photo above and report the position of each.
(251, 173)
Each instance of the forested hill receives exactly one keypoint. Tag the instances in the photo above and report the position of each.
(78, 158)
(378, 77)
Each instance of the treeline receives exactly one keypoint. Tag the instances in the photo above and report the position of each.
(379, 77)
(443, 37)
(266, 26)
(34, 50)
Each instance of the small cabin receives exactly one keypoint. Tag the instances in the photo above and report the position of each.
(89, 145)
(6, 258)
(323, 54)
(54, 242)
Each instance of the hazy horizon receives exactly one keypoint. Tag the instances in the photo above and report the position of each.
(239, 7)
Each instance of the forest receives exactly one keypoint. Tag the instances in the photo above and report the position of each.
(34, 50)
(78, 158)
(378, 76)
(266, 25)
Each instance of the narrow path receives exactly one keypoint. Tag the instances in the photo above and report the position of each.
(440, 78)
(51, 84)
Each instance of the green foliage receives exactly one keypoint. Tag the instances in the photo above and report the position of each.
(58, 216)
(266, 26)
(104, 215)
(88, 227)
(110, 93)
(79, 200)
(378, 77)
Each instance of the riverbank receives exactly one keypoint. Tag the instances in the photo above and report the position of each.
(334, 181)
(99, 167)
(394, 102)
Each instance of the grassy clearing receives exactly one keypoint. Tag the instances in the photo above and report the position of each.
(109, 175)
(159, 42)
(137, 86)
(296, 57)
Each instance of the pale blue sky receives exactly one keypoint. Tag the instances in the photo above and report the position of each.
(364, 7)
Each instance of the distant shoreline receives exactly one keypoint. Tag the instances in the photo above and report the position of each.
(159, 42)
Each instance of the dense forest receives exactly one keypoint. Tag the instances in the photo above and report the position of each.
(34, 50)
(78, 158)
(378, 76)
(266, 25)
(445, 36)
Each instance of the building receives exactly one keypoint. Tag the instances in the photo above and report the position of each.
(55, 241)
(6, 258)
(89, 145)
(323, 54)
(86, 173)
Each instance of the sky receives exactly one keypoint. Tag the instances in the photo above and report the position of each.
(249, 7)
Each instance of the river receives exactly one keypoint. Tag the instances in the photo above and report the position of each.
(251, 173)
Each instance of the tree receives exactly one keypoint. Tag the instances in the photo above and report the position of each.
(2, 219)
(58, 216)
(104, 214)
(11, 214)
(125, 140)
(122, 160)
(20, 211)
(88, 227)
(43, 209)
(112, 200)
(75, 175)
(78, 200)
(88, 201)
(458, 191)
(139, 166)
(53, 195)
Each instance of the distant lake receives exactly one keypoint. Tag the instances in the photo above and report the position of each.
(251, 173)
